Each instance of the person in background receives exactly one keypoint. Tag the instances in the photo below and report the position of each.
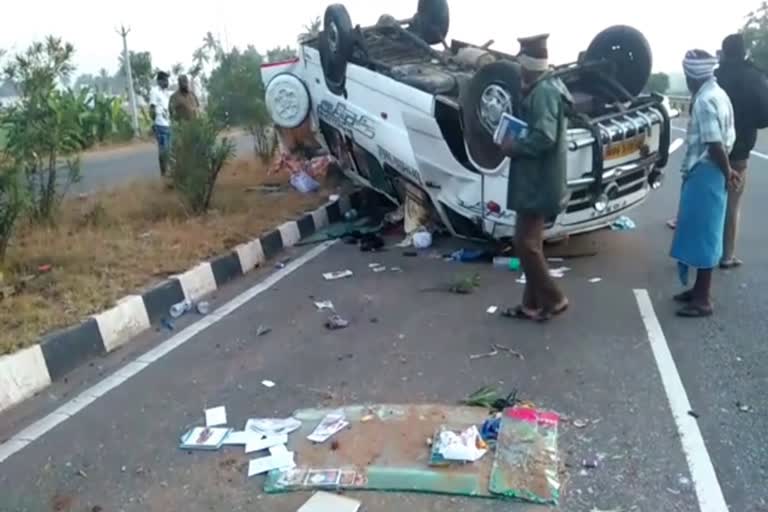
(184, 105)
(707, 176)
(538, 178)
(738, 77)
(159, 104)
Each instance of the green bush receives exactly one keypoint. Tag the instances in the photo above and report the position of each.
(198, 154)
(12, 202)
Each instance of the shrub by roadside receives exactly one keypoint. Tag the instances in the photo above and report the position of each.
(116, 242)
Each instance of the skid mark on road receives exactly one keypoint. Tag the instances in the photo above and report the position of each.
(708, 490)
(80, 402)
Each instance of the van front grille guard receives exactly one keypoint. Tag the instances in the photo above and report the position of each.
(613, 127)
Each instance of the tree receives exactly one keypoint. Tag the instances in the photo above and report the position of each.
(281, 54)
(755, 32)
(235, 89)
(44, 130)
(199, 154)
(659, 83)
(142, 71)
(312, 29)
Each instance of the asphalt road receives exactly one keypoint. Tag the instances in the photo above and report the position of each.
(111, 167)
(598, 362)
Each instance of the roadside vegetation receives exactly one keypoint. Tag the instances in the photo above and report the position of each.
(64, 257)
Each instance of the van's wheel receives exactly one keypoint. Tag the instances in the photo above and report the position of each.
(431, 21)
(494, 90)
(629, 52)
(337, 42)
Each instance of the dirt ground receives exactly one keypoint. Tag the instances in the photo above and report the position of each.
(107, 245)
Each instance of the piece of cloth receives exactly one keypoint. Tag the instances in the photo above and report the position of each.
(711, 122)
(537, 174)
(160, 99)
(698, 240)
(733, 213)
(183, 106)
(699, 65)
(541, 292)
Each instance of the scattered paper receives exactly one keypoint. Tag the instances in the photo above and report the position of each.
(379, 269)
(268, 384)
(278, 450)
(595, 280)
(266, 464)
(256, 444)
(326, 502)
(374, 265)
(238, 438)
(324, 304)
(461, 447)
(330, 425)
(204, 438)
(215, 416)
(341, 274)
(272, 426)
(493, 310)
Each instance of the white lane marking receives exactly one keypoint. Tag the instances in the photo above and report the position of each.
(708, 490)
(755, 153)
(90, 395)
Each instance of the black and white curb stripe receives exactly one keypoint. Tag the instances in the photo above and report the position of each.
(27, 372)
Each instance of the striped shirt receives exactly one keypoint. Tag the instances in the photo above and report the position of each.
(711, 121)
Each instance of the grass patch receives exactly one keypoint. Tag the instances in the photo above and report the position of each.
(115, 243)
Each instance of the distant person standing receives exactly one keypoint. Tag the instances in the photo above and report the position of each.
(537, 177)
(159, 105)
(707, 177)
(184, 105)
(743, 83)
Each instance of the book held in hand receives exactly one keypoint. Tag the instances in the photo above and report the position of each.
(510, 126)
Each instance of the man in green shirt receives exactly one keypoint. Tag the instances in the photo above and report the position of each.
(537, 189)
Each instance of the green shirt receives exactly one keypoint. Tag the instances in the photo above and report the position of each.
(537, 175)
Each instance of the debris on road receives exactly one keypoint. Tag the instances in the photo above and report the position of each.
(422, 240)
(268, 384)
(496, 349)
(330, 425)
(470, 256)
(488, 397)
(581, 423)
(492, 310)
(258, 443)
(203, 307)
(623, 223)
(334, 276)
(326, 502)
(324, 305)
(461, 285)
(590, 463)
(272, 426)
(512, 264)
(167, 323)
(743, 407)
(693, 414)
(180, 309)
(204, 438)
(465, 446)
(263, 331)
(377, 267)
(336, 322)
(270, 463)
(490, 429)
(215, 416)
(595, 280)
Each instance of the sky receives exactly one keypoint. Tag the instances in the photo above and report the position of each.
(172, 29)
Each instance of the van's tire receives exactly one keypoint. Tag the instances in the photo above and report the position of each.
(629, 51)
(501, 77)
(337, 41)
(431, 21)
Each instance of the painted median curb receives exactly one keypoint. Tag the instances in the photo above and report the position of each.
(27, 372)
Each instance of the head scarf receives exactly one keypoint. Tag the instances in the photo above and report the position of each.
(699, 65)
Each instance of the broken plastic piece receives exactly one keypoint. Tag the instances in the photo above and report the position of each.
(336, 322)
(341, 274)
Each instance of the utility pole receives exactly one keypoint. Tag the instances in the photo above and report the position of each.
(123, 32)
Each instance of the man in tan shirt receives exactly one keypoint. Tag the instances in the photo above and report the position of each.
(184, 105)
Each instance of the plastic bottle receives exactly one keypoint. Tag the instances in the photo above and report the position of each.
(512, 264)
(178, 310)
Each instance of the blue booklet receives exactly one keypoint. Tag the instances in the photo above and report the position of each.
(510, 126)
